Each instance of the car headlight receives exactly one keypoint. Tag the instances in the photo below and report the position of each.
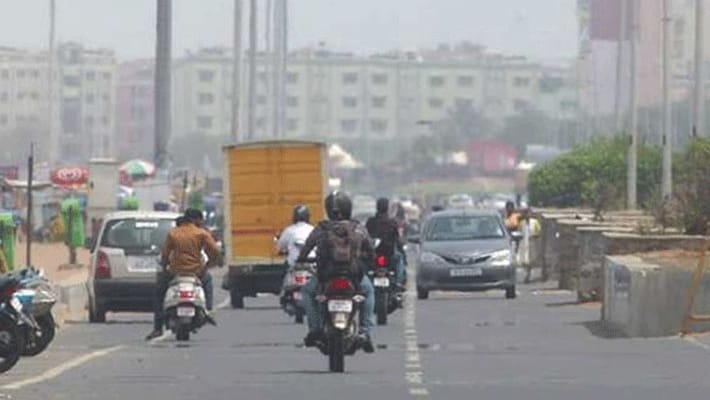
(501, 258)
(431, 258)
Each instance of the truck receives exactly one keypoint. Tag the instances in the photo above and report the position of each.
(263, 182)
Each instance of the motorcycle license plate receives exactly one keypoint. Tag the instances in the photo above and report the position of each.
(297, 296)
(340, 306)
(185, 312)
(381, 282)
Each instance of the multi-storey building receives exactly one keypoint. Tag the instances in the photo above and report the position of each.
(135, 109)
(340, 96)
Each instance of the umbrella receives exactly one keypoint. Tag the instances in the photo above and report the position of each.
(70, 176)
(138, 169)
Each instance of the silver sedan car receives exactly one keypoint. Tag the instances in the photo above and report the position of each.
(465, 250)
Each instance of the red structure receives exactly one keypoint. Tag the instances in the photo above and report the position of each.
(490, 156)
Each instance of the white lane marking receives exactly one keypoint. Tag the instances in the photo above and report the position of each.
(414, 374)
(62, 368)
(691, 339)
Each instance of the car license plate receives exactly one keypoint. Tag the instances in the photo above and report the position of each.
(381, 282)
(465, 272)
(340, 306)
(142, 264)
(297, 296)
(186, 312)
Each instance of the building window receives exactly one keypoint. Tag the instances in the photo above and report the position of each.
(378, 125)
(349, 102)
(292, 124)
(205, 75)
(350, 78)
(465, 81)
(464, 103)
(34, 96)
(436, 102)
(3, 97)
(73, 81)
(261, 122)
(379, 79)
(521, 82)
(437, 81)
(106, 97)
(520, 105)
(292, 101)
(20, 73)
(3, 119)
(35, 73)
(106, 120)
(292, 77)
(348, 125)
(89, 122)
(204, 122)
(206, 98)
(89, 98)
(107, 76)
(90, 75)
(379, 102)
(5, 74)
(261, 99)
(21, 95)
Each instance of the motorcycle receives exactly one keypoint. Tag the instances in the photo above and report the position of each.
(340, 304)
(185, 306)
(292, 299)
(383, 276)
(37, 298)
(12, 339)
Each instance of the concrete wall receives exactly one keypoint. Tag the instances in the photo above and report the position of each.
(646, 300)
(590, 258)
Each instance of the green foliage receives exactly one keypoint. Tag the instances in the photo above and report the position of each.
(692, 187)
(594, 175)
(196, 200)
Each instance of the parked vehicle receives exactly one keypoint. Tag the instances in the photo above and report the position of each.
(12, 339)
(124, 262)
(460, 201)
(340, 308)
(465, 250)
(265, 181)
(37, 298)
(185, 306)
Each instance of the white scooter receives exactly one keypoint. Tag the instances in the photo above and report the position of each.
(185, 306)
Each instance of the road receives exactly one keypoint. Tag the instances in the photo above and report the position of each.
(452, 346)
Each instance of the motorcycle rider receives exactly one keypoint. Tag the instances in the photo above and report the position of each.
(297, 232)
(387, 230)
(182, 254)
(338, 206)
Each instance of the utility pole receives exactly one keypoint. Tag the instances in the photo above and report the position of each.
(666, 182)
(633, 145)
(30, 206)
(252, 68)
(278, 71)
(236, 70)
(284, 66)
(54, 149)
(269, 64)
(623, 28)
(699, 101)
(162, 81)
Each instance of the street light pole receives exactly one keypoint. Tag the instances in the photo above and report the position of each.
(162, 80)
(252, 68)
(633, 145)
(666, 183)
(54, 149)
(236, 69)
(623, 28)
(699, 101)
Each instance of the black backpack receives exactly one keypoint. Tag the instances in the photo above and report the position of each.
(341, 248)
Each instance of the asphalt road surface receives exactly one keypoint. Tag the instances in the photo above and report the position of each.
(452, 346)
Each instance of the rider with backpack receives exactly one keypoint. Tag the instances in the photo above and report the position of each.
(342, 246)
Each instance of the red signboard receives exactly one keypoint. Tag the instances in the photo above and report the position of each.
(70, 176)
(7, 172)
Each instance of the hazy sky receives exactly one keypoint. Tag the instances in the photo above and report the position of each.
(543, 29)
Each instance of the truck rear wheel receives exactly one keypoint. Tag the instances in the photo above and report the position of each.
(236, 299)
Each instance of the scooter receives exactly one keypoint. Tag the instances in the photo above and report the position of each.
(292, 298)
(340, 304)
(37, 297)
(185, 306)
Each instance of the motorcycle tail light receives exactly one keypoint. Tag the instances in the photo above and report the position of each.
(381, 261)
(340, 285)
(186, 294)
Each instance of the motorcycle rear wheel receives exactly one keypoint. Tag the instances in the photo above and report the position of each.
(381, 308)
(183, 333)
(39, 344)
(336, 352)
(12, 343)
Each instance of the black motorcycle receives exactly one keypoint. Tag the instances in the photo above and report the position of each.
(387, 296)
(12, 337)
(340, 303)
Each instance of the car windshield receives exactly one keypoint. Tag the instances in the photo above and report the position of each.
(136, 235)
(464, 228)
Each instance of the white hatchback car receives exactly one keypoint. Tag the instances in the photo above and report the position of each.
(125, 260)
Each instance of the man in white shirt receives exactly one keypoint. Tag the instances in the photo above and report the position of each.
(295, 235)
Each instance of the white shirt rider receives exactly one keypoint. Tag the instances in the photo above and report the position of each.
(296, 233)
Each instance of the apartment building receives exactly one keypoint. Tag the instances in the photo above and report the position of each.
(333, 95)
(135, 118)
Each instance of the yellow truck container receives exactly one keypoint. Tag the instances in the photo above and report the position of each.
(263, 182)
